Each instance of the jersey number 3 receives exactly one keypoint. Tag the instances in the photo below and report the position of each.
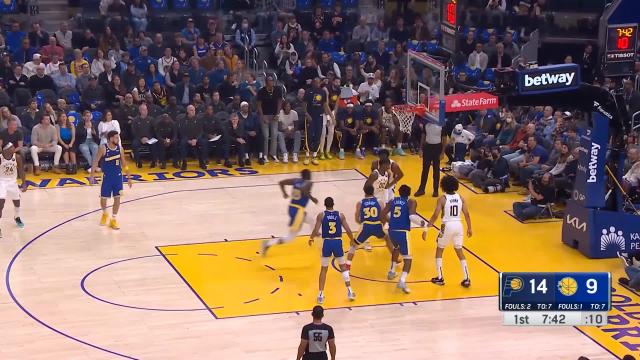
(332, 227)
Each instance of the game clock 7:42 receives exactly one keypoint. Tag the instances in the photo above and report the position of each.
(555, 291)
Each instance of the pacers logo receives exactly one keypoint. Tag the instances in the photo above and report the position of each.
(568, 286)
(512, 284)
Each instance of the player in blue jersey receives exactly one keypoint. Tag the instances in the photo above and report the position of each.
(401, 213)
(368, 215)
(300, 196)
(332, 222)
(113, 161)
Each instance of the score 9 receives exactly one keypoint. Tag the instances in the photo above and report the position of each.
(592, 286)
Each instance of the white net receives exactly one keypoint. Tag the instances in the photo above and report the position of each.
(406, 114)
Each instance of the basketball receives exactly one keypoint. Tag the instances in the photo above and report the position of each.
(568, 286)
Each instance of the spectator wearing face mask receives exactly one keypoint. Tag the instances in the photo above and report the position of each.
(495, 177)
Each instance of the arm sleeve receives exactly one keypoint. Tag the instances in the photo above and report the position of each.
(305, 333)
(331, 334)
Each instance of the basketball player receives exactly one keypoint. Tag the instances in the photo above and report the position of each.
(402, 211)
(390, 128)
(385, 174)
(314, 338)
(10, 169)
(112, 165)
(368, 212)
(316, 107)
(328, 129)
(332, 223)
(451, 204)
(300, 196)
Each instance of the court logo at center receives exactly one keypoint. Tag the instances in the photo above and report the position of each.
(611, 237)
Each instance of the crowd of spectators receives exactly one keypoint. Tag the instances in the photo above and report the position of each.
(194, 93)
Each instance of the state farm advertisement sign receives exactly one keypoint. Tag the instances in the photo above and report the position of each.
(471, 101)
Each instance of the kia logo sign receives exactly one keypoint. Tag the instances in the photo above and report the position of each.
(551, 78)
(471, 101)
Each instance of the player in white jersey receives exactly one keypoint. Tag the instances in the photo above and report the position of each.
(10, 169)
(451, 204)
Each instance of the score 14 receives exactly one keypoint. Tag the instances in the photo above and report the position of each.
(541, 287)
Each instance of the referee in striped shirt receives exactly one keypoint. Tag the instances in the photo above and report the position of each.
(314, 339)
(433, 141)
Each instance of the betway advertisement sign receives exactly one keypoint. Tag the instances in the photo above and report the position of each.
(552, 78)
(470, 101)
(591, 177)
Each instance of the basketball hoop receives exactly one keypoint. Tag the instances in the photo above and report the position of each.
(406, 114)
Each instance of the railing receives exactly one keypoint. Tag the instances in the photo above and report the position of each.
(251, 58)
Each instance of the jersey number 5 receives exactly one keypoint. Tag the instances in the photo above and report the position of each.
(397, 211)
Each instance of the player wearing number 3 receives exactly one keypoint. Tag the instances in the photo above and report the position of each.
(451, 204)
(331, 222)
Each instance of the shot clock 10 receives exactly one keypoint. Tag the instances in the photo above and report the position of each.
(555, 299)
(621, 49)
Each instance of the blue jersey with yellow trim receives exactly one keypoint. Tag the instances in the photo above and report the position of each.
(111, 165)
(399, 218)
(298, 198)
(370, 210)
(331, 225)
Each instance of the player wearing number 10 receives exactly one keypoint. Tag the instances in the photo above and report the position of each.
(332, 222)
(451, 204)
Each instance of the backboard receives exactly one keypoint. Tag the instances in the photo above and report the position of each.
(425, 84)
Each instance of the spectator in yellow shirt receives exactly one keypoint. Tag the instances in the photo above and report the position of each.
(77, 63)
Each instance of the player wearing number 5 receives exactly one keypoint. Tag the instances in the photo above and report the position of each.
(332, 222)
(402, 212)
(113, 161)
(451, 204)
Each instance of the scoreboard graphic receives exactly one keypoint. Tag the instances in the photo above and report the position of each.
(555, 298)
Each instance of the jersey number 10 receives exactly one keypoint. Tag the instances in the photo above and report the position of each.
(453, 210)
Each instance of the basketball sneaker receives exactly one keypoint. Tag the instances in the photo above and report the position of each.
(274, 159)
(328, 156)
(437, 281)
(391, 275)
(359, 154)
(285, 158)
(306, 161)
(19, 222)
(104, 219)
(322, 157)
(314, 161)
(403, 286)
(400, 152)
(295, 158)
(341, 154)
(114, 224)
(351, 295)
(320, 299)
(466, 283)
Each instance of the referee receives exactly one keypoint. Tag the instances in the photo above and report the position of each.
(432, 151)
(313, 345)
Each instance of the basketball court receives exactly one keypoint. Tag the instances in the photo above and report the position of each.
(183, 277)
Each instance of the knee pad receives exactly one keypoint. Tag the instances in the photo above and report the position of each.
(324, 261)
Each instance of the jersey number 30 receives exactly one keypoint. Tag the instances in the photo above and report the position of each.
(370, 212)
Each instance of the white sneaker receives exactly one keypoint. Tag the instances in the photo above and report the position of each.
(266, 159)
(285, 158)
(275, 159)
(359, 154)
(295, 157)
(351, 295)
(320, 299)
(403, 286)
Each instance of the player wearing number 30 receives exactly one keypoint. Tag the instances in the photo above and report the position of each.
(113, 161)
(451, 204)
(10, 169)
(332, 222)
(402, 212)
(368, 212)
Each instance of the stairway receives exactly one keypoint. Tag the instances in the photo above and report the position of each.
(369, 9)
(52, 13)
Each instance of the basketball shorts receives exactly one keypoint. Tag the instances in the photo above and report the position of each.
(332, 247)
(368, 231)
(451, 232)
(111, 186)
(9, 190)
(400, 240)
(384, 196)
(296, 218)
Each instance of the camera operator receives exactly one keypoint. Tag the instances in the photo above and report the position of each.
(543, 192)
(493, 178)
